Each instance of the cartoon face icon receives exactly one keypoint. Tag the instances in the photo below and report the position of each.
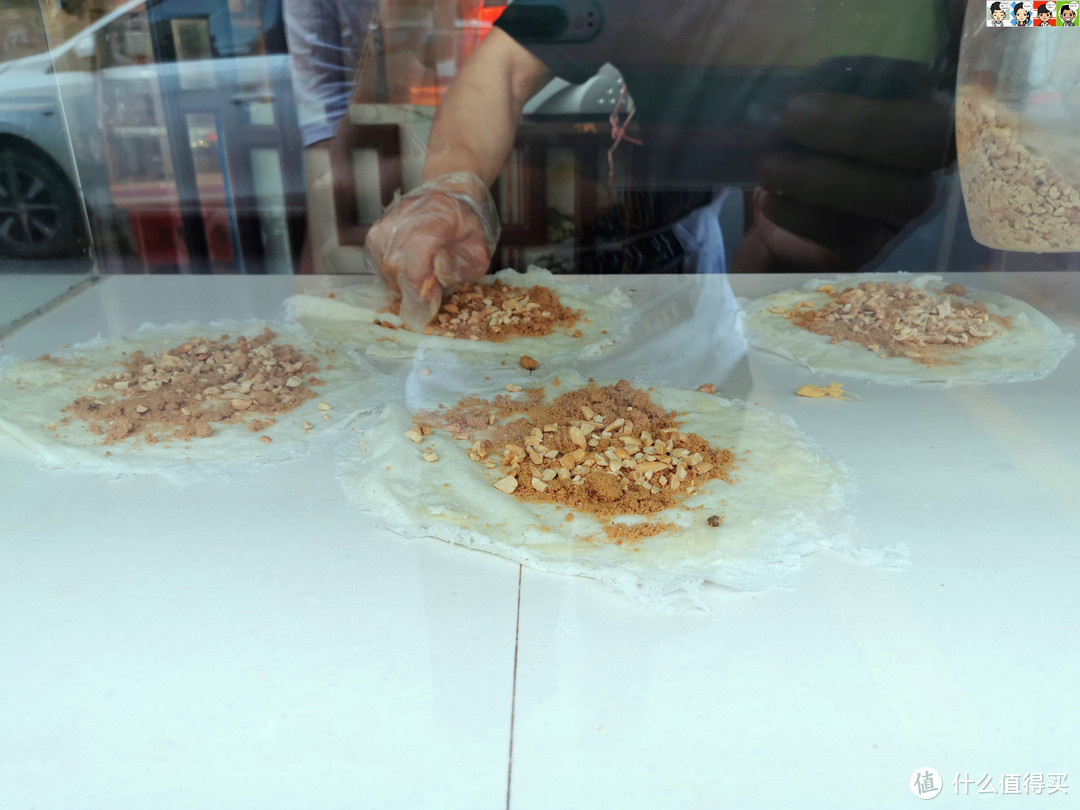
(1021, 14)
(1068, 15)
(997, 13)
(1044, 14)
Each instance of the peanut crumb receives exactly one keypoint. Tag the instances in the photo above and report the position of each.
(575, 452)
(265, 439)
(184, 392)
(497, 312)
(528, 363)
(899, 320)
(707, 388)
(833, 390)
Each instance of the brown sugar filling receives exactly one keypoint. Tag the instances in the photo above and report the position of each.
(609, 451)
(498, 312)
(898, 320)
(182, 393)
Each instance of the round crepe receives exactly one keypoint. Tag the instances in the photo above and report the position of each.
(786, 500)
(1029, 351)
(33, 393)
(349, 320)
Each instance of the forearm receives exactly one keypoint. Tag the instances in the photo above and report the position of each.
(477, 120)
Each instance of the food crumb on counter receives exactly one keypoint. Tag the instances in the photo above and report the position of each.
(833, 390)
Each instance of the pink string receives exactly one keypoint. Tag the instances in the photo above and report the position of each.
(618, 133)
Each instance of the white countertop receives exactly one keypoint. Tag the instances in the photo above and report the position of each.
(26, 294)
(257, 645)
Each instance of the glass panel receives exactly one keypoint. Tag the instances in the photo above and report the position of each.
(214, 192)
(43, 226)
(194, 51)
(270, 196)
(365, 163)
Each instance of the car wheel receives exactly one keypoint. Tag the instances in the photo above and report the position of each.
(40, 213)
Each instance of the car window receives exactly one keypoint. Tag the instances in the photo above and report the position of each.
(125, 41)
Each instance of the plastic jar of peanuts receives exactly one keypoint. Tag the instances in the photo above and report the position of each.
(1018, 131)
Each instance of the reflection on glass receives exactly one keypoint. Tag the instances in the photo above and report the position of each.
(270, 196)
(365, 165)
(41, 212)
(31, 208)
(214, 191)
(261, 113)
(194, 50)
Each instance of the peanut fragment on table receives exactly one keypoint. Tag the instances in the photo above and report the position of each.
(307, 426)
(707, 388)
(265, 439)
(833, 390)
(507, 484)
(431, 456)
(513, 389)
(324, 406)
(528, 363)
(414, 436)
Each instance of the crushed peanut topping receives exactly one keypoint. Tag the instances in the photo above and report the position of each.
(608, 451)
(183, 392)
(528, 363)
(898, 320)
(498, 312)
(1020, 184)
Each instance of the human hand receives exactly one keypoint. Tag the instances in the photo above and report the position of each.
(852, 172)
(434, 237)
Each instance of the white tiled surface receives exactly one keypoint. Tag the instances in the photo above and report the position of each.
(22, 294)
(257, 645)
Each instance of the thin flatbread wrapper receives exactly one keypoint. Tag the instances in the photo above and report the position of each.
(348, 319)
(33, 394)
(788, 499)
(1031, 350)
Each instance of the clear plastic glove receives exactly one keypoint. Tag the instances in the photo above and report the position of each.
(436, 236)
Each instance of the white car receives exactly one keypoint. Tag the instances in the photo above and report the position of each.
(157, 106)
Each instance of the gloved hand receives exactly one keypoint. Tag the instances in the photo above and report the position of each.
(855, 167)
(438, 235)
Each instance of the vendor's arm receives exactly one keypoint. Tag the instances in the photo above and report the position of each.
(445, 231)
